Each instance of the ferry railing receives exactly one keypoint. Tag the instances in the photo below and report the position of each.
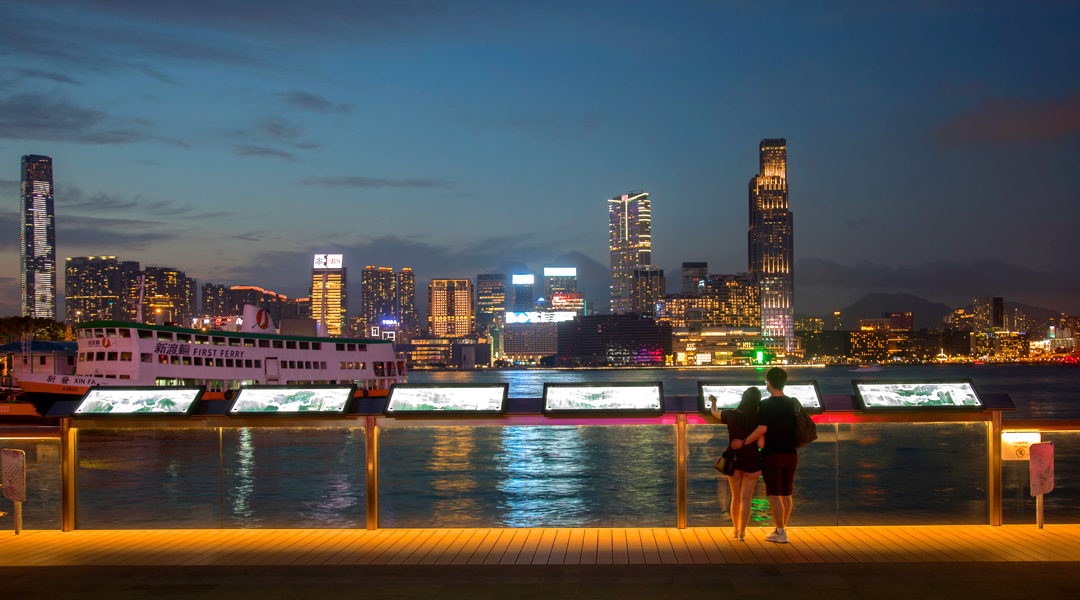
(969, 459)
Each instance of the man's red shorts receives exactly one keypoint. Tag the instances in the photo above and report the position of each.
(778, 471)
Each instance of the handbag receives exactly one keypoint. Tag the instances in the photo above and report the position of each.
(726, 463)
(805, 429)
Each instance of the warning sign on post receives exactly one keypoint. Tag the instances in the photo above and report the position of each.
(1015, 444)
(13, 466)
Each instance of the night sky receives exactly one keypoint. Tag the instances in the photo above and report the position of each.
(932, 149)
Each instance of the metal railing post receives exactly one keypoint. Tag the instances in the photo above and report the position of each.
(680, 467)
(993, 483)
(69, 437)
(371, 433)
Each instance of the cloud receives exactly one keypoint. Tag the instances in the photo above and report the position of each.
(9, 230)
(23, 73)
(1013, 120)
(9, 186)
(74, 199)
(57, 118)
(262, 152)
(10, 297)
(348, 181)
(313, 102)
(279, 128)
(109, 236)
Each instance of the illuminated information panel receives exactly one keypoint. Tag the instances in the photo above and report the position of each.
(578, 398)
(136, 401)
(728, 394)
(905, 395)
(292, 400)
(447, 399)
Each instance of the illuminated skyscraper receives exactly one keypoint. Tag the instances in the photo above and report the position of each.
(630, 226)
(329, 293)
(647, 285)
(490, 299)
(387, 301)
(559, 280)
(771, 249)
(97, 288)
(169, 295)
(989, 314)
(694, 275)
(37, 248)
(524, 291)
(450, 307)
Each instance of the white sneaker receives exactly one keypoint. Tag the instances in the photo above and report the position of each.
(734, 533)
(780, 537)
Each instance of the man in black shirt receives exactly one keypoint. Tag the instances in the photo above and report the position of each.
(776, 421)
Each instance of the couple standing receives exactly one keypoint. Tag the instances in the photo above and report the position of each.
(768, 425)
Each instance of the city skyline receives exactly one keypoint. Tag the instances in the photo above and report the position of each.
(218, 153)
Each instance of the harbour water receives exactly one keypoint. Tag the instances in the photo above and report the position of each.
(555, 476)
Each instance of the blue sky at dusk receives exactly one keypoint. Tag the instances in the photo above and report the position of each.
(933, 148)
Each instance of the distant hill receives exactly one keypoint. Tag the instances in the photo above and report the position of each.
(924, 312)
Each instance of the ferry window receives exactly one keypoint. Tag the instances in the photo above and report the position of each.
(198, 361)
(304, 345)
(80, 334)
(341, 365)
(360, 365)
(235, 341)
(99, 333)
(163, 359)
(249, 343)
(352, 347)
(340, 347)
(143, 357)
(218, 362)
(228, 363)
(264, 343)
(146, 335)
(125, 333)
(110, 377)
(380, 371)
(183, 337)
(361, 347)
(278, 344)
(390, 369)
(164, 335)
(401, 368)
(174, 360)
(258, 364)
(247, 363)
(186, 360)
(202, 339)
(82, 357)
(292, 364)
(110, 332)
(307, 364)
(290, 345)
(125, 377)
(100, 356)
(322, 365)
(110, 356)
(316, 345)
(219, 341)
(125, 356)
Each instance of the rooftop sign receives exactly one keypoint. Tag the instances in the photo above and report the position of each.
(560, 272)
(328, 261)
(523, 278)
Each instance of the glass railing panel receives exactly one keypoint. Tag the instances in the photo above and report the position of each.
(540, 476)
(913, 473)
(708, 497)
(294, 477)
(42, 507)
(148, 479)
(1060, 506)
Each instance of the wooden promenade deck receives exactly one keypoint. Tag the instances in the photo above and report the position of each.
(318, 547)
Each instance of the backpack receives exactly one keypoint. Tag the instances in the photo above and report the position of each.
(805, 429)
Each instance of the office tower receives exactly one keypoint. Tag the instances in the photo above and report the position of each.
(630, 225)
(387, 302)
(569, 302)
(215, 300)
(297, 308)
(559, 280)
(94, 289)
(37, 248)
(329, 294)
(693, 275)
(170, 295)
(989, 314)
(770, 245)
(450, 307)
(524, 294)
(647, 285)
(490, 299)
(837, 320)
(900, 321)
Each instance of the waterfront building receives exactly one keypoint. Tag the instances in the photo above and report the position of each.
(870, 345)
(866, 324)
(826, 345)
(694, 275)
(738, 299)
(613, 340)
(524, 292)
(530, 342)
(647, 285)
(630, 235)
(569, 302)
(708, 345)
(215, 300)
(770, 242)
(809, 324)
(463, 353)
(989, 314)
(169, 295)
(387, 303)
(96, 288)
(559, 280)
(490, 299)
(37, 247)
(329, 294)
(837, 320)
(960, 320)
(450, 308)
(900, 321)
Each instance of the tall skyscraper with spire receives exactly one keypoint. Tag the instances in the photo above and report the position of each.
(630, 224)
(771, 249)
(37, 250)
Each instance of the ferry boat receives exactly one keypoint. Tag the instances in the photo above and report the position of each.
(115, 353)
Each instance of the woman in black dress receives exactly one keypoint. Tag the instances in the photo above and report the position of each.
(741, 422)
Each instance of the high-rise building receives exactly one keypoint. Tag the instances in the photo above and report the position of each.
(37, 248)
(989, 314)
(900, 321)
(215, 300)
(524, 291)
(693, 276)
(630, 229)
(406, 295)
(569, 302)
(490, 299)
(837, 320)
(330, 293)
(387, 302)
(559, 280)
(738, 301)
(646, 287)
(95, 289)
(770, 245)
(170, 295)
(450, 307)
